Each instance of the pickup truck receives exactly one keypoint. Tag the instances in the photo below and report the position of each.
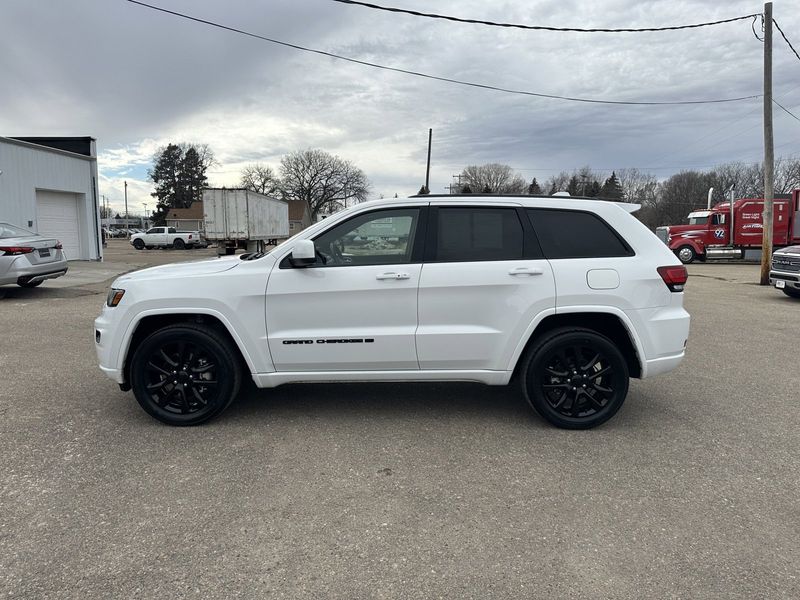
(168, 237)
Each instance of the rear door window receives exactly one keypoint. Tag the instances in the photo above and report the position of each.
(576, 234)
(478, 234)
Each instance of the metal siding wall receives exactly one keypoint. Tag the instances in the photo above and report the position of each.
(25, 169)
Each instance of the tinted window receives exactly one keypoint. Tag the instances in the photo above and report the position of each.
(383, 237)
(473, 234)
(155, 230)
(575, 234)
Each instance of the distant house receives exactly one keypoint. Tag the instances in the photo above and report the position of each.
(299, 216)
(187, 219)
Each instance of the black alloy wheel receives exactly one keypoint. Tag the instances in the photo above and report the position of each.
(185, 374)
(178, 244)
(138, 244)
(575, 378)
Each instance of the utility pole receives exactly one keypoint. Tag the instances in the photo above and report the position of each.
(127, 228)
(144, 220)
(769, 150)
(428, 170)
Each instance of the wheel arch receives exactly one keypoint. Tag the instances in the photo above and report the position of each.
(612, 324)
(151, 321)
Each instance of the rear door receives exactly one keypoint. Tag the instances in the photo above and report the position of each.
(483, 282)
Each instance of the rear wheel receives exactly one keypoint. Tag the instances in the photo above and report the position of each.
(185, 374)
(575, 378)
(686, 254)
(178, 244)
(791, 292)
(138, 244)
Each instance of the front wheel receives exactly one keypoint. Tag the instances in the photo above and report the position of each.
(575, 378)
(138, 244)
(185, 374)
(178, 244)
(791, 292)
(686, 254)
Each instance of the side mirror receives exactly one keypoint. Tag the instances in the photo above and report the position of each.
(303, 254)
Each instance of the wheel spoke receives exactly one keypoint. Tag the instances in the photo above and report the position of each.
(591, 363)
(158, 385)
(168, 360)
(600, 373)
(199, 396)
(154, 367)
(556, 385)
(203, 368)
(561, 399)
(602, 389)
(555, 373)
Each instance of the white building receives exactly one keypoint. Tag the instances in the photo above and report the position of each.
(49, 186)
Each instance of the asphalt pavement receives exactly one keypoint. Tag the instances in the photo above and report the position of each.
(404, 490)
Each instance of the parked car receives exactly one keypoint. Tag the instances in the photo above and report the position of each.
(27, 258)
(785, 272)
(168, 237)
(572, 296)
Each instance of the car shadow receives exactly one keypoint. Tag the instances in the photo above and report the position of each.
(446, 400)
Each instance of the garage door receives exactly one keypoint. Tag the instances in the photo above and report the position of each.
(57, 216)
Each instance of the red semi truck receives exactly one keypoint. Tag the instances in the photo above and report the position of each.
(728, 229)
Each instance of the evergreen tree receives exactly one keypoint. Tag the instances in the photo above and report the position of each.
(611, 190)
(594, 190)
(574, 186)
(534, 189)
(553, 190)
(178, 175)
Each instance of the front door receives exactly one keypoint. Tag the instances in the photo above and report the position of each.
(355, 309)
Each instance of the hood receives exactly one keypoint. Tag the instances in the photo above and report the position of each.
(185, 269)
(792, 250)
(687, 229)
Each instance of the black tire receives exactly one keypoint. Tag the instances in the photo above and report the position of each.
(189, 246)
(204, 385)
(575, 378)
(686, 254)
(178, 244)
(149, 247)
(138, 244)
(30, 284)
(791, 292)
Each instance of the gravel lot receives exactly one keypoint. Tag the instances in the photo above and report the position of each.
(403, 491)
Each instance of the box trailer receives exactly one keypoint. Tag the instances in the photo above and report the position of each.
(239, 218)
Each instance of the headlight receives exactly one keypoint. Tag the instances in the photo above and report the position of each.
(114, 297)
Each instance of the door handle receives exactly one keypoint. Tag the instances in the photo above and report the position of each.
(526, 271)
(393, 276)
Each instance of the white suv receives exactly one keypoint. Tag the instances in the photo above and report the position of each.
(571, 296)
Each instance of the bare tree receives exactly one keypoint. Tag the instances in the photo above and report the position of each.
(557, 183)
(499, 179)
(260, 179)
(325, 181)
(638, 187)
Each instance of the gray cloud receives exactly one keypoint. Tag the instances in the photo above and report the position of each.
(134, 79)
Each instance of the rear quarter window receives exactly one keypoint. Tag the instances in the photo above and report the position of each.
(576, 234)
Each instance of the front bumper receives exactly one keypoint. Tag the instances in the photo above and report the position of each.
(791, 280)
(106, 330)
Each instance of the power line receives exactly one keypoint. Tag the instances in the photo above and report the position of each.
(539, 27)
(436, 77)
(786, 110)
(786, 39)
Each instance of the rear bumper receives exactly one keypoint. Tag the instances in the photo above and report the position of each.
(27, 272)
(663, 334)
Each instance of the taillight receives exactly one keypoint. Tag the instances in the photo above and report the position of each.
(14, 250)
(674, 277)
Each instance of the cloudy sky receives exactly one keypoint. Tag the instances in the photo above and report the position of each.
(136, 79)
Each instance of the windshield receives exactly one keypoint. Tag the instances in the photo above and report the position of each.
(9, 231)
(698, 220)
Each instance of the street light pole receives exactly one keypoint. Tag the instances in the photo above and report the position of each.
(145, 215)
(127, 226)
